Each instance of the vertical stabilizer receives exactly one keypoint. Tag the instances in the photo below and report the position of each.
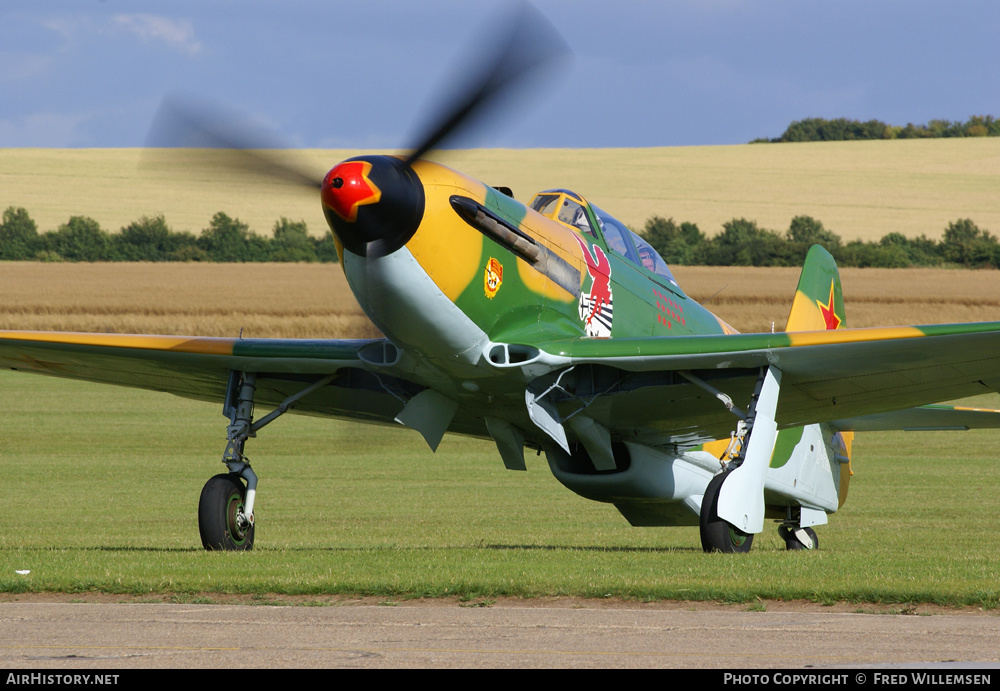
(819, 306)
(819, 301)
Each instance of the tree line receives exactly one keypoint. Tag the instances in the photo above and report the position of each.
(149, 239)
(741, 243)
(842, 129)
(744, 243)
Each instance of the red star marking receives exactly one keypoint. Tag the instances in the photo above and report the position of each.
(829, 315)
(347, 187)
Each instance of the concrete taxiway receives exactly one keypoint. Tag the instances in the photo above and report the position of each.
(79, 636)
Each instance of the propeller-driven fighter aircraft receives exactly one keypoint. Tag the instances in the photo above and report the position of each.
(550, 326)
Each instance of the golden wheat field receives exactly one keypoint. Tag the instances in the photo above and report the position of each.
(314, 301)
(262, 300)
(857, 189)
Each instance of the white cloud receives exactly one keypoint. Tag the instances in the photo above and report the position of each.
(150, 27)
(67, 26)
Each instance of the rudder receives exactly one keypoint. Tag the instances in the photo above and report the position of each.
(819, 300)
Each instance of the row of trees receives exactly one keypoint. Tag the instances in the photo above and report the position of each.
(150, 240)
(741, 243)
(842, 129)
(744, 243)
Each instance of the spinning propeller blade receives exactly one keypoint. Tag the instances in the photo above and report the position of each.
(183, 122)
(529, 44)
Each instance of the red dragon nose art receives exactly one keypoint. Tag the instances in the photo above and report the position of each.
(596, 309)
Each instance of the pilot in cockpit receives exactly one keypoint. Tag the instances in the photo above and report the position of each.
(646, 257)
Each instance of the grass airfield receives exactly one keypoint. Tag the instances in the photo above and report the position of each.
(100, 491)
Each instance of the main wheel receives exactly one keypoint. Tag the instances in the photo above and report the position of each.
(718, 535)
(219, 512)
(792, 542)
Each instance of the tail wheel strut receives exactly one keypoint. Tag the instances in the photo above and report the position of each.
(798, 538)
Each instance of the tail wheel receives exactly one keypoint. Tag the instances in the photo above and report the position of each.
(792, 541)
(718, 535)
(221, 520)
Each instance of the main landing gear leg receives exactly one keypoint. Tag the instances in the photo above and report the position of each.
(225, 510)
(732, 510)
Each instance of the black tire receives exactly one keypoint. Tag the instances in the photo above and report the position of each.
(718, 535)
(221, 498)
(793, 543)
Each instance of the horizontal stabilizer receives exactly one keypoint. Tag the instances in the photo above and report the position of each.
(925, 418)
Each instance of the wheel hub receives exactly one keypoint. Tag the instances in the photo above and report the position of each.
(238, 521)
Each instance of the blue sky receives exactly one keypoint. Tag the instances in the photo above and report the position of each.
(364, 73)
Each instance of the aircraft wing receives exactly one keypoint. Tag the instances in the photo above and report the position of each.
(199, 368)
(826, 375)
(841, 375)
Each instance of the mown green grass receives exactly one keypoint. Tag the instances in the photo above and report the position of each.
(99, 489)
